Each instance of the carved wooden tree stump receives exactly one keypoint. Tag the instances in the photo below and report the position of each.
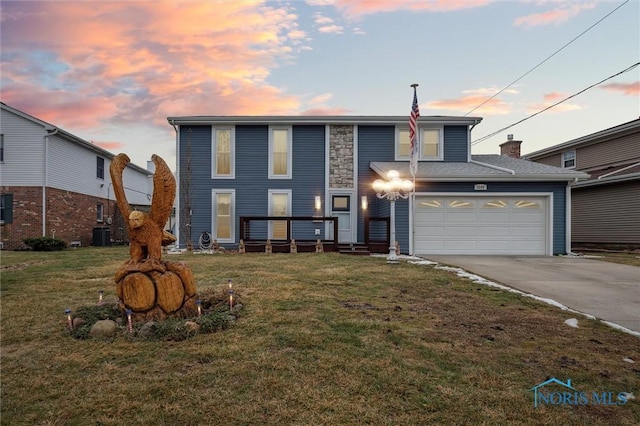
(156, 290)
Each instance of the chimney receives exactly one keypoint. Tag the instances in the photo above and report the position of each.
(510, 148)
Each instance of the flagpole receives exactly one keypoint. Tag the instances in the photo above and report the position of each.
(413, 169)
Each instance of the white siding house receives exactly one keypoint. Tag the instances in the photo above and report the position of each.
(55, 184)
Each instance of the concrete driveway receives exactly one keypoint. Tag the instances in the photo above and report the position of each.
(608, 291)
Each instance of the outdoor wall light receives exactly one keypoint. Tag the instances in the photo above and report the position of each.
(364, 202)
(392, 189)
(318, 202)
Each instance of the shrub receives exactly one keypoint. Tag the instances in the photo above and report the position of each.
(45, 244)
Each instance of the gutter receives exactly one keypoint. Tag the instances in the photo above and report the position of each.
(45, 180)
(618, 171)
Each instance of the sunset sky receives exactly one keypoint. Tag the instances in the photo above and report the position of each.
(111, 72)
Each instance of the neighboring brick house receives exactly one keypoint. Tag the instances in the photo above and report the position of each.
(53, 183)
(231, 168)
(606, 207)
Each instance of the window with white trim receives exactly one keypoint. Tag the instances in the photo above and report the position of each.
(280, 143)
(223, 215)
(99, 212)
(403, 144)
(430, 143)
(223, 152)
(569, 159)
(279, 205)
(223, 209)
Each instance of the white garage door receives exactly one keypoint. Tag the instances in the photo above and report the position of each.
(480, 225)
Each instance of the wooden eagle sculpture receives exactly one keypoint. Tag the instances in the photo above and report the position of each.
(146, 230)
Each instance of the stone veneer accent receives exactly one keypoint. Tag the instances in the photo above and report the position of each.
(341, 156)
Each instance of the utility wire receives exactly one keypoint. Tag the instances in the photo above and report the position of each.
(556, 104)
(547, 58)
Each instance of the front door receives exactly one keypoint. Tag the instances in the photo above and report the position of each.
(341, 208)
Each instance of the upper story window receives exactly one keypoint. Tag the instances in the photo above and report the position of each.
(1, 148)
(430, 144)
(569, 159)
(280, 152)
(223, 152)
(100, 167)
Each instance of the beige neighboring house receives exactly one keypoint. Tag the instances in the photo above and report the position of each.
(606, 207)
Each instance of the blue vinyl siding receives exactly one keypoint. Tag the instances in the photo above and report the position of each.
(252, 183)
(197, 140)
(376, 143)
(456, 145)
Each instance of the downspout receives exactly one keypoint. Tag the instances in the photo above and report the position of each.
(45, 180)
(177, 200)
(469, 140)
(567, 223)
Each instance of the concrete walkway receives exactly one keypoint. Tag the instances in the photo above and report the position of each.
(608, 291)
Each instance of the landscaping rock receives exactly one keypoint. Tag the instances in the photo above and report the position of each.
(103, 328)
(147, 329)
(78, 322)
(192, 326)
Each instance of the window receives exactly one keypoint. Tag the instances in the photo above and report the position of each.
(279, 205)
(431, 146)
(569, 159)
(403, 145)
(223, 215)
(99, 212)
(280, 153)
(495, 204)
(461, 204)
(1, 148)
(6, 208)
(341, 203)
(100, 167)
(223, 153)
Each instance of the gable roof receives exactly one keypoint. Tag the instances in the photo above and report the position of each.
(489, 167)
(632, 126)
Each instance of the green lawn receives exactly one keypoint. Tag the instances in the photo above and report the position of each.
(323, 339)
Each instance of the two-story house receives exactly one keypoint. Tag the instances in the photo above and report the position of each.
(230, 168)
(53, 183)
(605, 207)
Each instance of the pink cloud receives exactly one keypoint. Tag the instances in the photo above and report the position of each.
(632, 89)
(325, 111)
(466, 103)
(356, 8)
(92, 63)
(561, 13)
(549, 99)
(110, 146)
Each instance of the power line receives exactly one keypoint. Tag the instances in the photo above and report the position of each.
(556, 104)
(547, 58)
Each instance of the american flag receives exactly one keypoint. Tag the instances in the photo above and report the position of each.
(413, 118)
